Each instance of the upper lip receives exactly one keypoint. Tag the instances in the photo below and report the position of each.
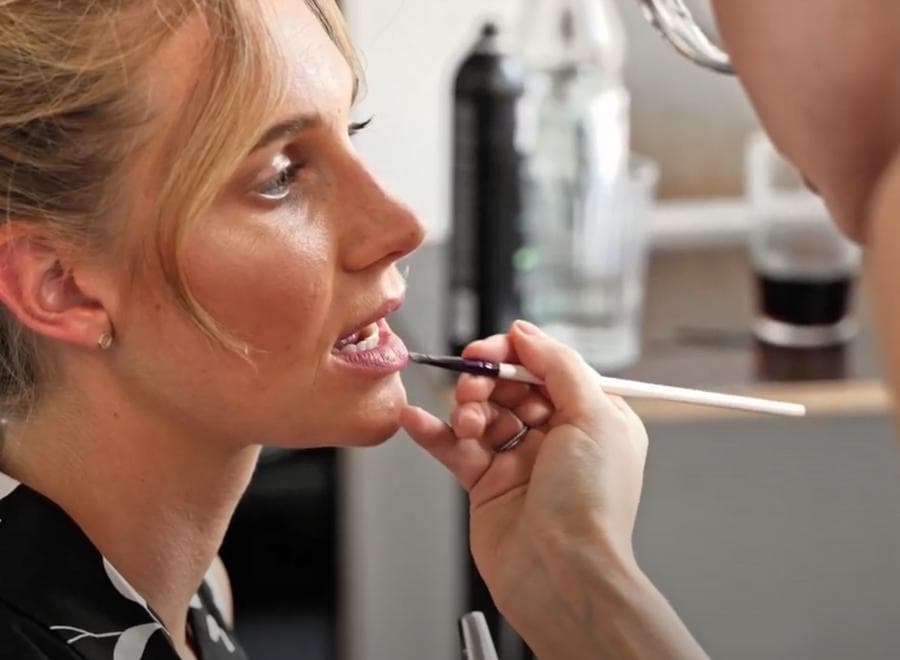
(387, 307)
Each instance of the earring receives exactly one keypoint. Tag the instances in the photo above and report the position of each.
(105, 341)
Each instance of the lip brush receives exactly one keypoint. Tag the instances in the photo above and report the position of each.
(618, 386)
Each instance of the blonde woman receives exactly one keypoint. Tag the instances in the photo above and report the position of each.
(190, 247)
(194, 262)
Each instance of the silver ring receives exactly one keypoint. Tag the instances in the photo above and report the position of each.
(514, 441)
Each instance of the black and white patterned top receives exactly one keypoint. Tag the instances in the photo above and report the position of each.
(60, 599)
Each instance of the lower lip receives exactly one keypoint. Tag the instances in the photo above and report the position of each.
(389, 357)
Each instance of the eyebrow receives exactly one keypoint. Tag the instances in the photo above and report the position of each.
(287, 128)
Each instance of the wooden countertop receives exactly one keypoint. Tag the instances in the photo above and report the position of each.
(699, 309)
(697, 319)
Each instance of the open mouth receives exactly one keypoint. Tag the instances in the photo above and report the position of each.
(363, 340)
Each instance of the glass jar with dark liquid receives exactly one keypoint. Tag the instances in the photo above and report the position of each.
(805, 269)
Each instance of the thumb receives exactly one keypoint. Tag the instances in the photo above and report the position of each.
(572, 385)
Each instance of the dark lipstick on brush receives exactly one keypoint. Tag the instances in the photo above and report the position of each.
(462, 365)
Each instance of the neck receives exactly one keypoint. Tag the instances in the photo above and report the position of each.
(155, 500)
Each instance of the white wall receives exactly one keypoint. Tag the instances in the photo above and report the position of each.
(692, 121)
(409, 50)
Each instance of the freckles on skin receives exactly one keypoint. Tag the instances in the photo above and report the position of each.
(268, 286)
(275, 276)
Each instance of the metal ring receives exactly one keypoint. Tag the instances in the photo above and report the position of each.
(514, 441)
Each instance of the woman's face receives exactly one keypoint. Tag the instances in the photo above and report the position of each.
(297, 255)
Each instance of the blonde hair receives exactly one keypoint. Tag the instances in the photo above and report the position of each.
(71, 113)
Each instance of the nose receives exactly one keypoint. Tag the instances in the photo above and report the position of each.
(379, 229)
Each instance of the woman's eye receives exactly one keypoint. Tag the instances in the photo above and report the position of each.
(278, 188)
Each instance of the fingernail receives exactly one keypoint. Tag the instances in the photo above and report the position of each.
(529, 328)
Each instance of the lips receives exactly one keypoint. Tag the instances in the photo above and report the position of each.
(368, 349)
(380, 355)
(367, 327)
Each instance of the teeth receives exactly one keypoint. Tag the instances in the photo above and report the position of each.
(369, 339)
(351, 339)
(372, 336)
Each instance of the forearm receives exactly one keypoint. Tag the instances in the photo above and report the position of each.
(606, 609)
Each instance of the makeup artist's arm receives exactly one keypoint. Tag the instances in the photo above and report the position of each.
(552, 520)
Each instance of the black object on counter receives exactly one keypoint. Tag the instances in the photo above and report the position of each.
(806, 301)
(486, 232)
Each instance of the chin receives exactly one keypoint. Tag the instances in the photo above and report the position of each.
(850, 199)
(353, 431)
(380, 418)
(851, 221)
(374, 435)
(361, 431)
(375, 418)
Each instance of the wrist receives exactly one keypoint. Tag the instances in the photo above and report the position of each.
(608, 561)
(603, 605)
(590, 583)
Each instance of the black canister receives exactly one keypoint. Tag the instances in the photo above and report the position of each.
(486, 231)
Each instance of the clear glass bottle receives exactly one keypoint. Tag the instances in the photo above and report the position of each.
(582, 268)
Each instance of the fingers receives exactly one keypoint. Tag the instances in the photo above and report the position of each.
(509, 471)
(535, 411)
(504, 426)
(467, 458)
(637, 431)
(571, 385)
(471, 420)
(497, 348)
(470, 459)
(480, 388)
(474, 419)
(572, 388)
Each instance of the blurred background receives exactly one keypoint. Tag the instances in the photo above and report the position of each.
(693, 123)
(775, 539)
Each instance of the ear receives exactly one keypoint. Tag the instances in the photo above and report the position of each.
(45, 294)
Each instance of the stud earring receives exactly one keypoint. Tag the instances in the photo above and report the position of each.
(105, 341)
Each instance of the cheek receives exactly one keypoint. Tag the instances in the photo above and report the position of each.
(268, 287)
(884, 269)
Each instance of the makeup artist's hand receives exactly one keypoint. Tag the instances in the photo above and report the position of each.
(551, 521)
(577, 475)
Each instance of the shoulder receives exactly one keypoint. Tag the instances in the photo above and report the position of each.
(24, 639)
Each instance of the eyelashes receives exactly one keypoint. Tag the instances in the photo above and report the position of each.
(356, 127)
(278, 188)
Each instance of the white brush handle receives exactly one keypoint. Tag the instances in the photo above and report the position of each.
(631, 388)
